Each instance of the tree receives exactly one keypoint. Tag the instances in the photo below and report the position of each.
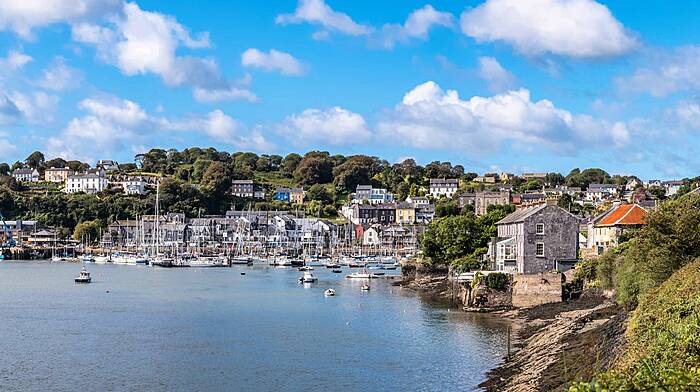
(35, 160)
(290, 163)
(356, 170)
(451, 238)
(4, 169)
(216, 180)
(320, 193)
(77, 166)
(315, 168)
(56, 162)
(88, 231)
(446, 207)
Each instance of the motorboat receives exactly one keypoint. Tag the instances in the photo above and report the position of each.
(87, 259)
(281, 262)
(365, 287)
(308, 277)
(337, 271)
(206, 262)
(329, 293)
(306, 268)
(241, 260)
(375, 267)
(84, 277)
(332, 265)
(58, 258)
(360, 275)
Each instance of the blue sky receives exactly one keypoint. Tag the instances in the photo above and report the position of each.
(514, 85)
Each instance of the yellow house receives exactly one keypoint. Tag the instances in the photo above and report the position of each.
(405, 214)
(296, 196)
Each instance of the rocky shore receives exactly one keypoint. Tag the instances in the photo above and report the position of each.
(553, 344)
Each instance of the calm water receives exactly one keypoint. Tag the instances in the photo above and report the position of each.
(215, 330)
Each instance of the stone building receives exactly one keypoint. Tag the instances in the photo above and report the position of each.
(482, 200)
(535, 240)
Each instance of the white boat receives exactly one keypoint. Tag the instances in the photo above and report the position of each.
(101, 259)
(58, 258)
(308, 278)
(84, 277)
(365, 287)
(361, 275)
(241, 260)
(281, 262)
(329, 293)
(87, 259)
(206, 262)
(306, 268)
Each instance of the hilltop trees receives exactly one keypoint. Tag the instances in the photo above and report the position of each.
(315, 168)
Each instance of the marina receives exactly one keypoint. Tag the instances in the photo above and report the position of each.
(220, 329)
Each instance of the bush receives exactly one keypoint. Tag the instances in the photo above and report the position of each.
(647, 378)
(497, 281)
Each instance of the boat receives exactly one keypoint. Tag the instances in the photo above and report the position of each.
(332, 265)
(376, 267)
(365, 287)
(2, 256)
(58, 258)
(362, 275)
(329, 293)
(206, 262)
(337, 271)
(87, 259)
(306, 268)
(241, 260)
(281, 262)
(84, 277)
(308, 278)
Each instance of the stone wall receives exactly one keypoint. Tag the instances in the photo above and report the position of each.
(531, 290)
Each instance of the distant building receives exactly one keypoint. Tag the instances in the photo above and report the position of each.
(107, 165)
(482, 200)
(425, 213)
(87, 183)
(57, 174)
(247, 189)
(535, 239)
(443, 187)
(362, 214)
(418, 201)
(405, 213)
(485, 179)
(134, 186)
(371, 195)
(290, 195)
(672, 187)
(598, 192)
(26, 175)
(466, 199)
(534, 176)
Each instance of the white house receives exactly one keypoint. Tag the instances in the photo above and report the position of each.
(418, 201)
(88, 183)
(371, 195)
(370, 237)
(26, 175)
(672, 187)
(134, 186)
(443, 187)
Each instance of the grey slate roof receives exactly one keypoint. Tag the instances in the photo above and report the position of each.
(521, 215)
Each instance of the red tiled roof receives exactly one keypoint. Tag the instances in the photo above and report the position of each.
(626, 214)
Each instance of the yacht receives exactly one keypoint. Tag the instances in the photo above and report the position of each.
(84, 277)
(308, 278)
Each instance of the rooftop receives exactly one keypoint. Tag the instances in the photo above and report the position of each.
(625, 214)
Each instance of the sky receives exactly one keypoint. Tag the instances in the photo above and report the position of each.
(495, 85)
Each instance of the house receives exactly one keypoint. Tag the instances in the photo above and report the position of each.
(405, 214)
(535, 239)
(482, 200)
(57, 174)
(534, 176)
(446, 187)
(418, 201)
(599, 192)
(26, 175)
(371, 195)
(425, 213)
(632, 184)
(485, 179)
(134, 186)
(563, 190)
(529, 199)
(107, 165)
(290, 195)
(605, 230)
(465, 199)
(505, 177)
(371, 236)
(672, 187)
(361, 214)
(246, 188)
(88, 183)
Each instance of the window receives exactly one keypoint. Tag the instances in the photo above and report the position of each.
(539, 229)
(539, 249)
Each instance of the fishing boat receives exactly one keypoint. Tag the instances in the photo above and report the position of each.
(84, 277)
(329, 293)
(308, 278)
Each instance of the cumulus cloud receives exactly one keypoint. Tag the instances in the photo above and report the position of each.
(22, 16)
(273, 61)
(498, 78)
(37, 107)
(670, 72)
(317, 12)
(14, 60)
(143, 42)
(429, 117)
(417, 25)
(334, 126)
(572, 28)
(59, 76)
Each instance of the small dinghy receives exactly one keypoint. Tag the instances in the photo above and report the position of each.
(308, 278)
(329, 293)
(337, 271)
(365, 287)
(84, 277)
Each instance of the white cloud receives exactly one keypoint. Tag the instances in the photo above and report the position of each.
(573, 28)
(685, 115)
(417, 25)
(319, 13)
(143, 42)
(59, 76)
(225, 94)
(497, 77)
(273, 61)
(334, 126)
(429, 117)
(115, 110)
(22, 16)
(678, 70)
(37, 108)
(14, 61)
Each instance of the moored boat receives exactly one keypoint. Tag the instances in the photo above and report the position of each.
(84, 277)
(329, 293)
(308, 277)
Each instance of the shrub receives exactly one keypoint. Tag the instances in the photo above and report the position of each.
(497, 281)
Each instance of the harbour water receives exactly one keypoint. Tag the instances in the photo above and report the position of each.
(138, 328)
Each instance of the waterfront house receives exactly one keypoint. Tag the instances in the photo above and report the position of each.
(362, 214)
(405, 214)
(604, 231)
(87, 183)
(247, 189)
(290, 195)
(26, 175)
(366, 193)
(57, 174)
(370, 236)
(535, 239)
(446, 187)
